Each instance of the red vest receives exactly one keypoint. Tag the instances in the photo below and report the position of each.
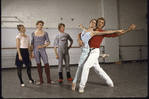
(96, 40)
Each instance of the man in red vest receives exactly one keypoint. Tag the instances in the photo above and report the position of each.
(92, 60)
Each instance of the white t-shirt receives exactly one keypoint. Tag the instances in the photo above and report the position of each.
(23, 41)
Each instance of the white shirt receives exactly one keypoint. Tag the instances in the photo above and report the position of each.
(23, 41)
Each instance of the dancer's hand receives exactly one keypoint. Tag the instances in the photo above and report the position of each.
(20, 58)
(57, 57)
(80, 25)
(80, 42)
(39, 47)
(32, 55)
(132, 27)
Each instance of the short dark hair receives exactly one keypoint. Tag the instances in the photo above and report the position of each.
(18, 26)
(101, 18)
(61, 24)
(40, 21)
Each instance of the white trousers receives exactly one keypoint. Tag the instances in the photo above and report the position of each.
(92, 61)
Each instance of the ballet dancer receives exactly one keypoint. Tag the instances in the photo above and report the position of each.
(38, 46)
(92, 60)
(23, 54)
(61, 41)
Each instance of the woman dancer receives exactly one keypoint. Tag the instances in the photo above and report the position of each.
(23, 51)
(38, 47)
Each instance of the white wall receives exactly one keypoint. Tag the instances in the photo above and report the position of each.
(51, 11)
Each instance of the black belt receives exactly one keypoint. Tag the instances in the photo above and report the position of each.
(92, 48)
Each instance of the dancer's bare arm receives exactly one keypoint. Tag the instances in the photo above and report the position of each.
(70, 45)
(32, 55)
(18, 49)
(101, 32)
(82, 27)
(56, 55)
(80, 42)
(132, 27)
(29, 50)
(104, 32)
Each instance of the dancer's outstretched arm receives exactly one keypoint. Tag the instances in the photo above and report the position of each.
(132, 27)
(82, 27)
(100, 33)
(104, 32)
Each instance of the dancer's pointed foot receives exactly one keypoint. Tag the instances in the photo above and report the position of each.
(73, 86)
